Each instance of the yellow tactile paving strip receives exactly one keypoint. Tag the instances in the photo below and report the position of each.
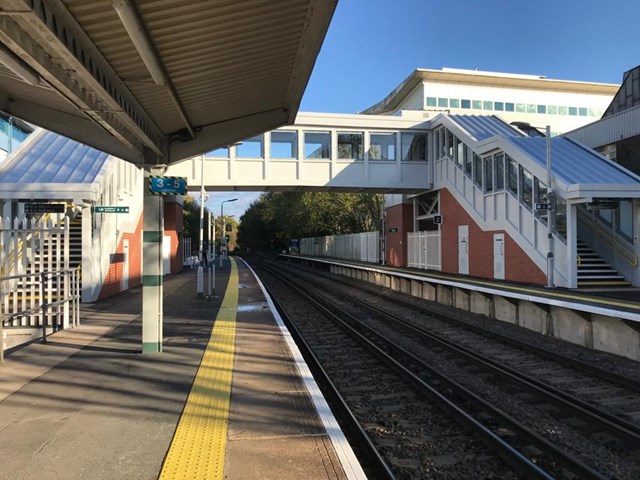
(198, 447)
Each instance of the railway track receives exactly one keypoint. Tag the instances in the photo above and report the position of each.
(409, 349)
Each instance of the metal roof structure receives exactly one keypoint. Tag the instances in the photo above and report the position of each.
(49, 166)
(584, 172)
(481, 127)
(158, 79)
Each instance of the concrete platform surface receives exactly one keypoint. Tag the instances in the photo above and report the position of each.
(89, 405)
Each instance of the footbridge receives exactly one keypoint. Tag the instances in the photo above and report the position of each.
(320, 152)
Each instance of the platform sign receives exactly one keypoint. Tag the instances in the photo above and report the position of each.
(167, 185)
(603, 205)
(437, 219)
(44, 207)
(109, 209)
(543, 206)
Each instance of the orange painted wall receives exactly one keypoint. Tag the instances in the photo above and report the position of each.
(400, 217)
(173, 222)
(112, 282)
(518, 266)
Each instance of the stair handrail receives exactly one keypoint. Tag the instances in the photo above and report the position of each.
(623, 250)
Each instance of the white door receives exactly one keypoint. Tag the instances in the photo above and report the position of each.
(498, 256)
(463, 249)
(124, 283)
(166, 255)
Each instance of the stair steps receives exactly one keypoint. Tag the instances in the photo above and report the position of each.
(593, 271)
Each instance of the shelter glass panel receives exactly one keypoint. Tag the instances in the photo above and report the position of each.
(468, 165)
(488, 174)
(526, 188)
(251, 148)
(284, 144)
(477, 170)
(512, 175)
(317, 145)
(624, 219)
(560, 227)
(382, 146)
(414, 146)
(460, 152)
(499, 171)
(541, 196)
(350, 145)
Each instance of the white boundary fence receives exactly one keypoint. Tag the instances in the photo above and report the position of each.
(423, 250)
(362, 247)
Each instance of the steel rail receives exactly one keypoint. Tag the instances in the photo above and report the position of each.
(373, 458)
(614, 424)
(506, 451)
(564, 359)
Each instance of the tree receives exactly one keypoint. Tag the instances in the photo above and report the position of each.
(276, 217)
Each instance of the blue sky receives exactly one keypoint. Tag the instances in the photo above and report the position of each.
(373, 45)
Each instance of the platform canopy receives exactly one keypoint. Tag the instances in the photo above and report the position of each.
(164, 78)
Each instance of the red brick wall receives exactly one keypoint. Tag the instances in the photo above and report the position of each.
(518, 266)
(400, 217)
(111, 284)
(173, 221)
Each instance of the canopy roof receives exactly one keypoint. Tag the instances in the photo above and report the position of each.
(165, 79)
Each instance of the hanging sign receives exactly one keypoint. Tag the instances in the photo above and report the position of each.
(109, 209)
(167, 185)
(44, 207)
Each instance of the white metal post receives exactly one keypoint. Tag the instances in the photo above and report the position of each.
(200, 277)
(552, 212)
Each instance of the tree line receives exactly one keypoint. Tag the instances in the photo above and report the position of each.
(275, 218)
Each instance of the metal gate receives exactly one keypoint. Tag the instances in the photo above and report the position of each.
(424, 250)
(37, 287)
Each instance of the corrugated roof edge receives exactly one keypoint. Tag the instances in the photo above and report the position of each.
(598, 155)
(9, 159)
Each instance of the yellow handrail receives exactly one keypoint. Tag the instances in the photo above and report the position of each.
(625, 252)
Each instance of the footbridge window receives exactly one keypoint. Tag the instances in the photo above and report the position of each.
(624, 219)
(218, 153)
(414, 146)
(284, 144)
(317, 145)
(251, 148)
(540, 192)
(350, 145)
(488, 174)
(382, 146)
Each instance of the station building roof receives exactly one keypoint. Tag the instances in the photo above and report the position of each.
(49, 166)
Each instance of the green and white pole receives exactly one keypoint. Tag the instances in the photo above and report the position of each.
(152, 278)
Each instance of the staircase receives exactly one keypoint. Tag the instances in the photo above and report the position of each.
(593, 271)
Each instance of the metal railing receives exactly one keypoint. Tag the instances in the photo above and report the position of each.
(61, 304)
(609, 238)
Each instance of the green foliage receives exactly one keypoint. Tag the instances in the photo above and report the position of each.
(276, 217)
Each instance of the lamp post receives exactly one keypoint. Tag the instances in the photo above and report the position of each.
(223, 239)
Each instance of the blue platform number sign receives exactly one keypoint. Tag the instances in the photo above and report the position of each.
(168, 185)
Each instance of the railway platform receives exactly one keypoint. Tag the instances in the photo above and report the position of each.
(229, 397)
(607, 320)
